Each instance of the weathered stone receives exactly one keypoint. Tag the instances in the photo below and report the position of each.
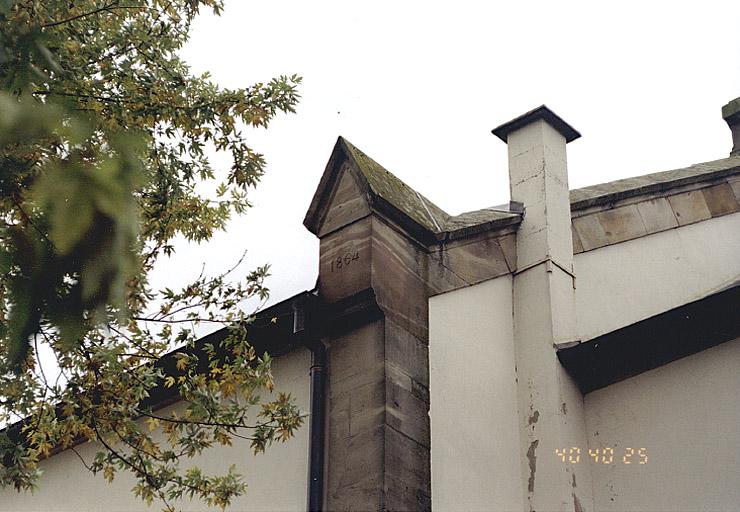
(356, 358)
(367, 407)
(657, 215)
(734, 183)
(441, 277)
(378, 372)
(689, 207)
(720, 200)
(407, 472)
(590, 231)
(659, 182)
(344, 261)
(361, 462)
(347, 204)
(355, 418)
(408, 352)
(508, 247)
(402, 292)
(623, 223)
(406, 410)
(400, 497)
(338, 422)
(477, 260)
(577, 245)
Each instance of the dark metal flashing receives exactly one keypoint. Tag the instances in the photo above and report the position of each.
(653, 342)
(543, 113)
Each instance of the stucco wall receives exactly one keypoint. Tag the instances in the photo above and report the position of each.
(277, 479)
(475, 440)
(686, 415)
(620, 284)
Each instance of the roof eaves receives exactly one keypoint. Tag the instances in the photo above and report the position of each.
(655, 341)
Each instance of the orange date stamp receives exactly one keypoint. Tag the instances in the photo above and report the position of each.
(605, 455)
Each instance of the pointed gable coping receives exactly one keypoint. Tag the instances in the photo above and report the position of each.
(382, 190)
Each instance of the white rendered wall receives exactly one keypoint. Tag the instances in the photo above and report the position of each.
(686, 415)
(277, 479)
(624, 283)
(473, 404)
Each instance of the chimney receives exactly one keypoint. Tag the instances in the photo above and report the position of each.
(731, 114)
(550, 406)
(538, 177)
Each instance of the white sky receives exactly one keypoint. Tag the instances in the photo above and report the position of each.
(419, 85)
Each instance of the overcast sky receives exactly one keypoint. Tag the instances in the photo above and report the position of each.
(419, 85)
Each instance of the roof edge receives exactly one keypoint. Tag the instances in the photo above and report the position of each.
(650, 188)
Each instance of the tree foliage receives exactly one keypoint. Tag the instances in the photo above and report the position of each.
(104, 137)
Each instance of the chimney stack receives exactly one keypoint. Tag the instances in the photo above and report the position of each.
(538, 177)
(550, 405)
(731, 114)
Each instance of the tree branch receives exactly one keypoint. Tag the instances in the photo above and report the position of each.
(106, 8)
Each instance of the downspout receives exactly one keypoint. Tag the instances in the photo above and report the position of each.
(316, 429)
(317, 409)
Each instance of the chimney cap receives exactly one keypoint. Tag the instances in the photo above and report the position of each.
(541, 112)
(731, 112)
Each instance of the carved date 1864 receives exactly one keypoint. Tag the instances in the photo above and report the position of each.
(344, 261)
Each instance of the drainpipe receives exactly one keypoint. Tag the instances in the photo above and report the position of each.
(316, 429)
(317, 411)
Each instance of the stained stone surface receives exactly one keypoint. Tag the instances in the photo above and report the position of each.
(655, 182)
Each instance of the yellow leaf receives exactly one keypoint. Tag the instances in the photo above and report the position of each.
(169, 381)
(181, 363)
(153, 423)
